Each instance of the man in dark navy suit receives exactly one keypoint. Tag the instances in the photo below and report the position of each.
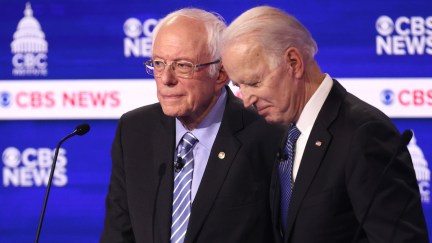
(226, 199)
(337, 146)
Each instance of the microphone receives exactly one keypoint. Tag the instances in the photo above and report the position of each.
(405, 139)
(79, 130)
(178, 165)
(281, 155)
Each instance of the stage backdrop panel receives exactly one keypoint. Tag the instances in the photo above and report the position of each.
(63, 63)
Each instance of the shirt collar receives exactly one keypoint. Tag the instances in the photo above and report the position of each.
(313, 106)
(209, 126)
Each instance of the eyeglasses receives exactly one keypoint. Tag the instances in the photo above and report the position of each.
(182, 69)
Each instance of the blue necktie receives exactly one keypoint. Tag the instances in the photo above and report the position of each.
(182, 188)
(285, 174)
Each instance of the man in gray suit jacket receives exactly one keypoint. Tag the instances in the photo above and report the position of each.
(334, 183)
(228, 175)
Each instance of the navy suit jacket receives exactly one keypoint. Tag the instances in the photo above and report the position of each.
(231, 204)
(336, 180)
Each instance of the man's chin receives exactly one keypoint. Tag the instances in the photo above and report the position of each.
(270, 119)
(273, 120)
(170, 111)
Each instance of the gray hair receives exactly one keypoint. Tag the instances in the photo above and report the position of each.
(273, 30)
(213, 23)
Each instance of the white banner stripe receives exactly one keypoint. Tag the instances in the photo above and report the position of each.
(110, 98)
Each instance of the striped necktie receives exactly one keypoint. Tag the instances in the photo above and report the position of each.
(285, 174)
(182, 188)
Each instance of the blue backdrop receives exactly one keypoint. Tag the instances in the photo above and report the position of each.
(99, 40)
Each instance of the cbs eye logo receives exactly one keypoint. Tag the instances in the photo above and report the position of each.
(384, 25)
(5, 99)
(138, 39)
(387, 97)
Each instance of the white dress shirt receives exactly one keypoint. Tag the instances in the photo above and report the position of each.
(307, 119)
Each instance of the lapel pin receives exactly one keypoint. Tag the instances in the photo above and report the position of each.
(318, 143)
(221, 155)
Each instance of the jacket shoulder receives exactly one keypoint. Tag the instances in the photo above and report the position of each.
(152, 111)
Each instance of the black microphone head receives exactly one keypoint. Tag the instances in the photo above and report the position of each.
(281, 155)
(82, 129)
(178, 165)
(406, 137)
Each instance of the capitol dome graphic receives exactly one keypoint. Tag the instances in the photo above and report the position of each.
(29, 47)
(421, 168)
(29, 36)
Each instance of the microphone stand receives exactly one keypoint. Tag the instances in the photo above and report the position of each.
(405, 139)
(80, 130)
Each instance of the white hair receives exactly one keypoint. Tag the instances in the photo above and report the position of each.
(213, 23)
(273, 30)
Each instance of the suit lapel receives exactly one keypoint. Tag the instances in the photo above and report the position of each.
(164, 145)
(310, 163)
(221, 157)
(275, 191)
(314, 154)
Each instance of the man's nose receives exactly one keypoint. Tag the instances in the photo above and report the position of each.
(168, 77)
(248, 98)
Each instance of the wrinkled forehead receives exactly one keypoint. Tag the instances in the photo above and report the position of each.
(243, 55)
(180, 20)
(183, 35)
(245, 48)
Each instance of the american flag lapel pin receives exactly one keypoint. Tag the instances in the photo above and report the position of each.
(318, 143)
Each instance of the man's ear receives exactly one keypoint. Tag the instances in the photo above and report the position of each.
(222, 78)
(294, 61)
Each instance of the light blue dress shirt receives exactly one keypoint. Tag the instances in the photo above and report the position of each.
(206, 133)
